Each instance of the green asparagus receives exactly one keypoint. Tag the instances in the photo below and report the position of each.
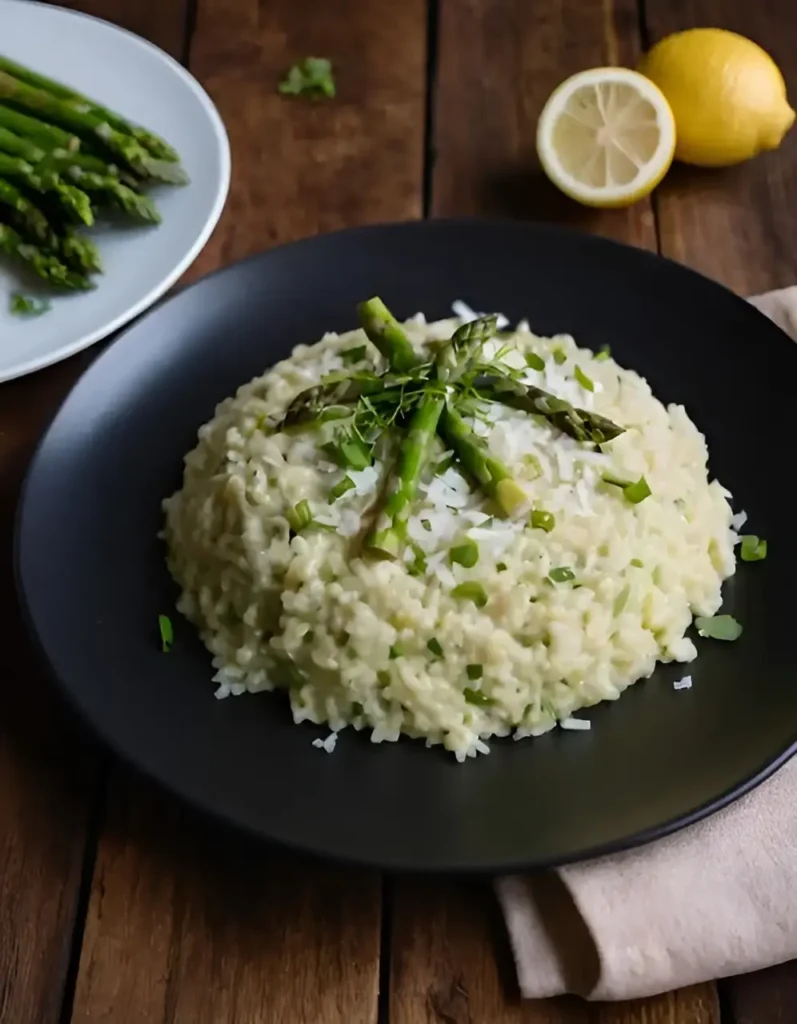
(156, 146)
(88, 125)
(455, 358)
(387, 334)
(491, 474)
(25, 216)
(79, 253)
(14, 145)
(44, 264)
(577, 423)
(47, 136)
(106, 189)
(75, 204)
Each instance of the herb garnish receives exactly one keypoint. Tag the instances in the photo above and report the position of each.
(312, 77)
(166, 632)
(27, 306)
(753, 549)
(563, 574)
(542, 520)
(465, 554)
(718, 627)
(471, 591)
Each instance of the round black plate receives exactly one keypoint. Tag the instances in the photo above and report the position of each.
(92, 577)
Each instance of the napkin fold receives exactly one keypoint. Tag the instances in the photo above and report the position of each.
(716, 899)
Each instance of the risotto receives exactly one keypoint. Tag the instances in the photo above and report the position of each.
(482, 624)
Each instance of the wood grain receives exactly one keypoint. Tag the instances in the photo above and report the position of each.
(47, 766)
(498, 62)
(164, 23)
(736, 225)
(766, 997)
(187, 922)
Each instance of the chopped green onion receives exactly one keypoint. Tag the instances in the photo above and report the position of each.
(534, 361)
(583, 379)
(465, 554)
(474, 672)
(542, 520)
(638, 491)
(754, 549)
(476, 697)
(471, 591)
(604, 354)
(637, 563)
(353, 355)
(559, 356)
(622, 600)
(434, 647)
(340, 488)
(167, 633)
(311, 76)
(27, 306)
(533, 462)
(718, 627)
(563, 574)
(501, 566)
(426, 525)
(299, 516)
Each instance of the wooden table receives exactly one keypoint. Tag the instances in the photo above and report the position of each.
(119, 905)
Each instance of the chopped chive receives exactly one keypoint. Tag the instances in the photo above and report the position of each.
(753, 549)
(534, 361)
(354, 453)
(583, 379)
(471, 591)
(434, 647)
(353, 355)
(501, 566)
(474, 672)
(637, 563)
(638, 491)
(465, 554)
(542, 520)
(27, 306)
(167, 633)
(426, 525)
(559, 356)
(563, 574)
(299, 516)
(476, 697)
(604, 354)
(718, 627)
(340, 488)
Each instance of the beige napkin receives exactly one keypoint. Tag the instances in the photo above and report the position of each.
(716, 899)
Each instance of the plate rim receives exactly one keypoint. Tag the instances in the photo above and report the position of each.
(218, 813)
(222, 139)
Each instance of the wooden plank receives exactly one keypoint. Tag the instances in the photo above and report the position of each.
(186, 923)
(47, 767)
(736, 225)
(499, 60)
(766, 997)
(164, 24)
(451, 965)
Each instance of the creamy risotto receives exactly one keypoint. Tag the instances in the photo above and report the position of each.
(482, 624)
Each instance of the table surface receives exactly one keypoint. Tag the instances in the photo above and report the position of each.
(117, 904)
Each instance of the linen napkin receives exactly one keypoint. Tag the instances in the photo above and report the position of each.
(716, 899)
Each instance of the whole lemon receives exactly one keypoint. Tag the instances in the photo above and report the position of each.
(727, 95)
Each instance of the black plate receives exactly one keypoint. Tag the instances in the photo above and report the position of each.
(92, 578)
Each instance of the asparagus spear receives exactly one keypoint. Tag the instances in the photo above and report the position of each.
(388, 536)
(107, 188)
(491, 474)
(158, 147)
(577, 423)
(27, 217)
(79, 253)
(70, 200)
(44, 264)
(47, 136)
(57, 160)
(387, 334)
(88, 125)
(15, 145)
(345, 391)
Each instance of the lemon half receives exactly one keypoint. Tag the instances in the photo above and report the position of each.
(606, 137)
(726, 93)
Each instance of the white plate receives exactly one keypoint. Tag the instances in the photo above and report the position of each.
(141, 263)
